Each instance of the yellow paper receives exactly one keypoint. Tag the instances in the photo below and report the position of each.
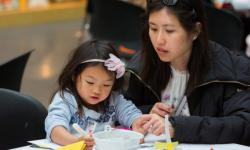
(165, 145)
(75, 146)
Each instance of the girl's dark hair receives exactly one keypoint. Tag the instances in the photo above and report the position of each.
(188, 12)
(89, 50)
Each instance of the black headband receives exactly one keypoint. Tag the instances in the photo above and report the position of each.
(173, 2)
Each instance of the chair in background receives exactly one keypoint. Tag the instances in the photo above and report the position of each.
(116, 21)
(11, 73)
(22, 119)
(225, 28)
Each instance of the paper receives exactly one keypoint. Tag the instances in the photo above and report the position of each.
(150, 138)
(164, 145)
(215, 147)
(75, 146)
(204, 147)
(45, 143)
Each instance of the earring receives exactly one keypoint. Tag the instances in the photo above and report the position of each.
(195, 37)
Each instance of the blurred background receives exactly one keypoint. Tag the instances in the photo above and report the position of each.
(37, 36)
(48, 30)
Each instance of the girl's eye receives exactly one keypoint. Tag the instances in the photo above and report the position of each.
(90, 83)
(106, 85)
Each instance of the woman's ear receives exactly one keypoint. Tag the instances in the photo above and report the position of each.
(197, 30)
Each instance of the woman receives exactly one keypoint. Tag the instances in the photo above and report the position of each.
(202, 86)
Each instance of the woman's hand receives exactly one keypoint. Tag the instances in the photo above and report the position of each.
(161, 109)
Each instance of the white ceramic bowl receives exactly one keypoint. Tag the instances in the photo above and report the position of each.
(117, 139)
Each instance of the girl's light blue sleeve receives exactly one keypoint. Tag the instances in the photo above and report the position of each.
(58, 115)
(126, 111)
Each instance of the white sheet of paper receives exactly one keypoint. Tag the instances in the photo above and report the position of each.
(205, 147)
(45, 143)
(149, 138)
(215, 147)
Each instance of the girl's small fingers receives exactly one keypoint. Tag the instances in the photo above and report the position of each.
(149, 124)
(157, 124)
(88, 138)
(90, 143)
(154, 121)
(140, 130)
(154, 128)
(158, 131)
(157, 127)
(89, 147)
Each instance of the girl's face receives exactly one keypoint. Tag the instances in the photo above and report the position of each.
(94, 84)
(170, 41)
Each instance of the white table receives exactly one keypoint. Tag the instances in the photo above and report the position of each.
(180, 147)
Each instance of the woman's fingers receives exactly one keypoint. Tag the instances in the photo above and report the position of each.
(158, 112)
(161, 109)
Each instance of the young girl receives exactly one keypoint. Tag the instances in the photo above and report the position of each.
(202, 86)
(88, 92)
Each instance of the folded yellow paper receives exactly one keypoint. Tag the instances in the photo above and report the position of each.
(165, 145)
(75, 146)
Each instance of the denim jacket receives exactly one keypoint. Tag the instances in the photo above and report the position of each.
(63, 112)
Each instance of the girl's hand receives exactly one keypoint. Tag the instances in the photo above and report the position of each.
(137, 125)
(149, 123)
(155, 125)
(89, 141)
(161, 109)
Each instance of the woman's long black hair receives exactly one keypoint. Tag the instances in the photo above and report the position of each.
(156, 72)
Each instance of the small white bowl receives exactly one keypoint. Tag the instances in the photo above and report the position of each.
(117, 139)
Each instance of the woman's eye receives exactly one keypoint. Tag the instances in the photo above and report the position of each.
(152, 29)
(169, 31)
(90, 83)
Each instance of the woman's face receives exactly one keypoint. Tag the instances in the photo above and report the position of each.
(94, 84)
(170, 41)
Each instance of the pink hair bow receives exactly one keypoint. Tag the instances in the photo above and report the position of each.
(115, 64)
